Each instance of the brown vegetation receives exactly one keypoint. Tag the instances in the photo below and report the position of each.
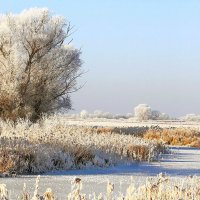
(176, 136)
(169, 136)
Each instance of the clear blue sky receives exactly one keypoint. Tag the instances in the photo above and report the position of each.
(144, 51)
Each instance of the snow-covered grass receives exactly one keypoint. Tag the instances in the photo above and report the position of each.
(130, 122)
(59, 143)
(170, 136)
(171, 132)
(52, 144)
(157, 188)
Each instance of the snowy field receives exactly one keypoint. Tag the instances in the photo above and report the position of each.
(182, 161)
(131, 123)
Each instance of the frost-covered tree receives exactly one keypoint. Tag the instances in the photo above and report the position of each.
(155, 114)
(164, 116)
(191, 117)
(38, 67)
(142, 112)
(84, 114)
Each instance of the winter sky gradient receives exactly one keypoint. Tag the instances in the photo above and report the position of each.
(135, 52)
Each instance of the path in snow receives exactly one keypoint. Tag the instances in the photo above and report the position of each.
(182, 162)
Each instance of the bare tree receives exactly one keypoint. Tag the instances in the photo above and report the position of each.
(38, 68)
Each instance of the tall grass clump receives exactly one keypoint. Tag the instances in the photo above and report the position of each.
(50, 144)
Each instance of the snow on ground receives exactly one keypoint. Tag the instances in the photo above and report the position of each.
(130, 123)
(182, 161)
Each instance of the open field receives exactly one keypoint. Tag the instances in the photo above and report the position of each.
(132, 123)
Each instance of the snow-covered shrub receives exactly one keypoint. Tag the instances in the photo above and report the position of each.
(98, 114)
(129, 115)
(155, 114)
(84, 114)
(191, 117)
(3, 192)
(51, 144)
(163, 116)
(101, 114)
(143, 112)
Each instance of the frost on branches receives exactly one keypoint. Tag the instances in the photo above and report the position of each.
(38, 67)
(144, 112)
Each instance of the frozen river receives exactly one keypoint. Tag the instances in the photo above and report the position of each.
(181, 162)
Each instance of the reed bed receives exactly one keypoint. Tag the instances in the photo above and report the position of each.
(51, 144)
(170, 136)
(175, 136)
